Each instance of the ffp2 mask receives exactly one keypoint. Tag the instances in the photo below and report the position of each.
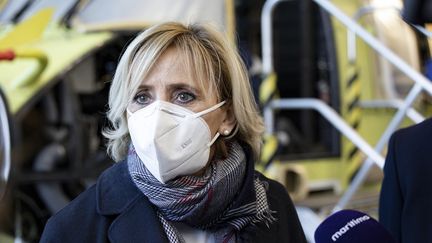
(171, 140)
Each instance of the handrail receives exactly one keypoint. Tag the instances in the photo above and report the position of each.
(377, 45)
(393, 104)
(267, 34)
(330, 114)
(393, 125)
(351, 44)
(5, 164)
(423, 30)
(421, 82)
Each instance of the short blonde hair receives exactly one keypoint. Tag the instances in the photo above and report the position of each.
(210, 56)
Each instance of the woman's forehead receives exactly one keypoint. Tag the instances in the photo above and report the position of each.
(174, 66)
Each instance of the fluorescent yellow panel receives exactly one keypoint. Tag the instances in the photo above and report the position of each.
(27, 31)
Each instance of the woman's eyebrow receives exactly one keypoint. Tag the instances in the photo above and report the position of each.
(183, 86)
(144, 86)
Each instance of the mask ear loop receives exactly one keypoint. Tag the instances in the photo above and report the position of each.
(198, 114)
(201, 113)
(214, 139)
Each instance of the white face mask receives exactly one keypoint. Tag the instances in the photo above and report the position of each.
(171, 140)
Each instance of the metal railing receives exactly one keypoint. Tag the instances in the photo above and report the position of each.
(421, 83)
(329, 114)
(5, 146)
(417, 77)
(351, 37)
(334, 118)
(403, 107)
(396, 104)
(267, 34)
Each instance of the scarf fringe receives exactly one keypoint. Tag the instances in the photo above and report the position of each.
(265, 217)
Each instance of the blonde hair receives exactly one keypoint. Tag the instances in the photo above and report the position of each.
(212, 59)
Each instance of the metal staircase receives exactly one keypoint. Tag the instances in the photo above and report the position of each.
(310, 220)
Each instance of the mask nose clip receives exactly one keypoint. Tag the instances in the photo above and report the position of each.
(172, 112)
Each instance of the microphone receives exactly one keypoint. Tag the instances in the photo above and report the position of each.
(353, 227)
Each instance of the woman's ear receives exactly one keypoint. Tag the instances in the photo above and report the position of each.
(228, 123)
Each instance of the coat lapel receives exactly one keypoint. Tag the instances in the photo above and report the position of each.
(134, 218)
(138, 223)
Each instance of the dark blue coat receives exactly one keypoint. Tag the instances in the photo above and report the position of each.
(114, 210)
(406, 195)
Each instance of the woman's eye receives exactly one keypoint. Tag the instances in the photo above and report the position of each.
(185, 97)
(142, 99)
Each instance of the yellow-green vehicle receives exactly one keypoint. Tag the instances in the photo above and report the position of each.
(328, 97)
(335, 78)
(46, 131)
(338, 78)
(57, 59)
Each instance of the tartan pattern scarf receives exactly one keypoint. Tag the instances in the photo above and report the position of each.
(227, 197)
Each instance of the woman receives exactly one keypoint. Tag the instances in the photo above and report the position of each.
(187, 132)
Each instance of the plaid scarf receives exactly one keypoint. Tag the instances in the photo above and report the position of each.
(225, 199)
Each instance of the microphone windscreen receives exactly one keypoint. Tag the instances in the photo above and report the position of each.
(351, 226)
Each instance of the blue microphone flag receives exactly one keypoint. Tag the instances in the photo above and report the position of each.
(351, 226)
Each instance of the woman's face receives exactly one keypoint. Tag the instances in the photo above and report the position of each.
(170, 81)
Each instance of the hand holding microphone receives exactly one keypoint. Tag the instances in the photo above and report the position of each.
(351, 226)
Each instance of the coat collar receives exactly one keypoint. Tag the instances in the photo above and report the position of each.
(135, 219)
(115, 190)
